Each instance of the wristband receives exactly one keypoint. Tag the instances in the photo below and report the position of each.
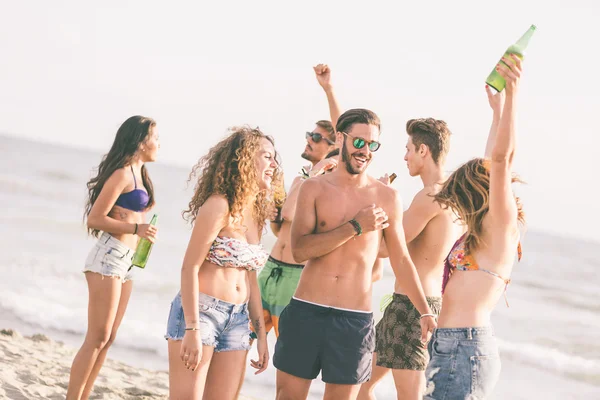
(356, 226)
(428, 315)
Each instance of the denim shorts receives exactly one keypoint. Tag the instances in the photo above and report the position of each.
(224, 326)
(110, 257)
(464, 364)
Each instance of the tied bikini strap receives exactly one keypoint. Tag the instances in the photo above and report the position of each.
(507, 281)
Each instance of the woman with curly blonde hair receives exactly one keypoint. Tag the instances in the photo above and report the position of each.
(465, 362)
(208, 326)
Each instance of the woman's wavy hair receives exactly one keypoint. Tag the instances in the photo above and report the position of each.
(467, 193)
(229, 170)
(131, 134)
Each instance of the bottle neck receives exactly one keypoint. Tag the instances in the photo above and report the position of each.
(524, 40)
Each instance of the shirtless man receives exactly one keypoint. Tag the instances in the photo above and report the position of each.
(340, 220)
(430, 233)
(279, 278)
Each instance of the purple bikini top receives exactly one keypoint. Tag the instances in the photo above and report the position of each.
(136, 200)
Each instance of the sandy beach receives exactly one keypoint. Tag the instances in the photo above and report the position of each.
(36, 367)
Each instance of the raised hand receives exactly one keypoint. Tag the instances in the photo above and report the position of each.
(323, 74)
(496, 100)
(511, 70)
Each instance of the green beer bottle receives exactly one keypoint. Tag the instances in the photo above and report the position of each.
(144, 247)
(495, 80)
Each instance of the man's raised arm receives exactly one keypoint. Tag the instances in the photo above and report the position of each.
(324, 78)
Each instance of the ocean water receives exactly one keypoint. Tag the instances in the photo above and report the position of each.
(548, 336)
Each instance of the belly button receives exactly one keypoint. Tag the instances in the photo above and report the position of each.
(336, 277)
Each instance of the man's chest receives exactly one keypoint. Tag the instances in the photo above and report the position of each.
(335, 207)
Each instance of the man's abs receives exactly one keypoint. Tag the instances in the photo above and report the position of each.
(339, 279)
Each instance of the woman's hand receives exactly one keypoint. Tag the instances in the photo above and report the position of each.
(147, 231)
(263, 356)
(191, 349)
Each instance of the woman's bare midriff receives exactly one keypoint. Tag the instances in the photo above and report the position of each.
(131, 217)
(228, 284)
(469, 299)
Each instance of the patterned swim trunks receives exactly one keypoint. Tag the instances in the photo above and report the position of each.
(398, 335)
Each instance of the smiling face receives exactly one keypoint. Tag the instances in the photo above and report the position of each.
(357, 160)
(265, 163)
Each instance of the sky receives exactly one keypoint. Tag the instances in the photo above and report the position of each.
(71, 72)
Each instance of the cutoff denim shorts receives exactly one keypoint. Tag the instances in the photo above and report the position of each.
(110, 257)
(464, 364)
(224, 326)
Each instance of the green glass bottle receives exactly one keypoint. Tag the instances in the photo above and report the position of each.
(143, 249)
(495, 80)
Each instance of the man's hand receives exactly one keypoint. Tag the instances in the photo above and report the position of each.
(372, 218)
(385, 179)
(274, 214)
(323, 76)
(428, 324)
(323, 166)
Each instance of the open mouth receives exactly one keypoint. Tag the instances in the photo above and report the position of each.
(269, 174)
(361, 160)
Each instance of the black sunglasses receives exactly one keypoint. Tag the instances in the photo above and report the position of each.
(359, 143)
(316, 137)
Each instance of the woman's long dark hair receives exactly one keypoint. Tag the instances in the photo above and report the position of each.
(133, 132)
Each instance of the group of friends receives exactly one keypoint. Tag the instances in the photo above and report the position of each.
(452, 252)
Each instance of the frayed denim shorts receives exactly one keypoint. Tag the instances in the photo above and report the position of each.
(464, 364)
(110, 257)
(224, 326)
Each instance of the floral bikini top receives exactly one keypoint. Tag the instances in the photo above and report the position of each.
(234, 253)
(458, 259)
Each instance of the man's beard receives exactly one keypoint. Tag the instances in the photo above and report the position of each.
(306, 156)
(347, 158)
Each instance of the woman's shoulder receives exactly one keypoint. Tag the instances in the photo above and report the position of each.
(119, 177)
(217, 203)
